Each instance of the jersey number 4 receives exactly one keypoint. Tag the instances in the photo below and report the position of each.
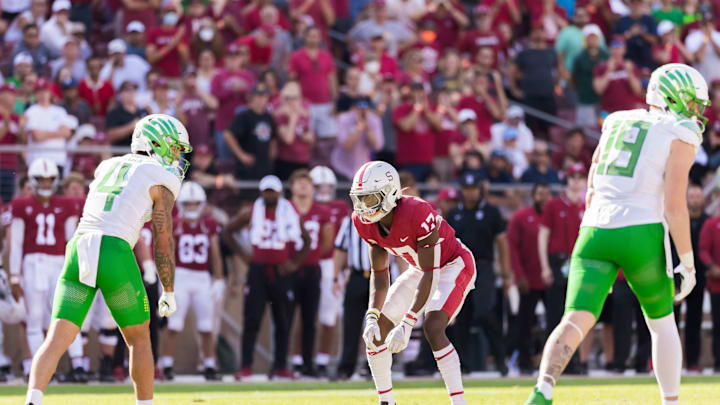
(115, 188)
(621, 151)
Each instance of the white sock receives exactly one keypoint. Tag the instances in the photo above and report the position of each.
(35, 340)
(380, 362)
(26, 364)
(322, 359)
(668, 402)
(545, 388)
(144, 402)
(34, 397)
(77, 362)
(209, 362)
(297, 360)
(448, 363)
(165, 361)
(666, 354)
(75, 350)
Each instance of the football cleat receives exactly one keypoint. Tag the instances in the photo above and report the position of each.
(211, 374)
(169, 374)
(281, 374)
(322, 371)
(242, 374)
(537, 398)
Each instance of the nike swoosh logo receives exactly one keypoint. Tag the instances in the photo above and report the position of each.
(403, 239)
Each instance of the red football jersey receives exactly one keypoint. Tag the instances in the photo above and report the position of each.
(414, 218)
(44, 223)
(339, 209)
(317, 216)
(192, 243)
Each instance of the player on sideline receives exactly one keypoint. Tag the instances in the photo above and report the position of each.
(636, 193)
(441, 273)
(127, 191)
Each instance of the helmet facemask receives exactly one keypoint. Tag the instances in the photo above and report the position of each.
(371, 207)
(194, 211)
(166, 146)
(44, 192)
(677, 90)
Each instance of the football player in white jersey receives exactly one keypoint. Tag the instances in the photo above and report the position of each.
(127, 191)
(636, 194)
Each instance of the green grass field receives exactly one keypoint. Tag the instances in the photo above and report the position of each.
(626, 391)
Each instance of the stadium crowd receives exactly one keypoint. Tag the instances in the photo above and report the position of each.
(459, 95)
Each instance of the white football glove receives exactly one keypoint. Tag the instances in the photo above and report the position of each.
(149, 272)
(398, 338)
(218, 289)
(166, 304)
(372, 329)
(688, 281)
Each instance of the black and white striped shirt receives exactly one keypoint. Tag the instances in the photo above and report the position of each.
(348, 240)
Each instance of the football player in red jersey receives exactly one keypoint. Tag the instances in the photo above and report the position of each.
(325, 182)
(41, 226)
(197, 253)
(441, 273)
(315, 218)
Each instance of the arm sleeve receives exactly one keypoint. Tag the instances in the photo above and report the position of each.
(705, 243)
(17, 232)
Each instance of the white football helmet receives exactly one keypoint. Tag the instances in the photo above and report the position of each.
(375, 191)
(163, 138)
(324, 181)
(11, 311)
(191, 192)
(43, 168)
(673, 86)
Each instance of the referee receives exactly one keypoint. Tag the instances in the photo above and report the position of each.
(351, 251)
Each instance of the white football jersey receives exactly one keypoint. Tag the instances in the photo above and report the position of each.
(119, 202)
(629, 179)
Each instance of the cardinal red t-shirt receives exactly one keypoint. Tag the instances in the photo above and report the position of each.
(484, 118)
(313, 74)
(618, 95)
(168, 65)
(416, 145)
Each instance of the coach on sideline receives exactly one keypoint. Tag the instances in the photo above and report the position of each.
(351, 251)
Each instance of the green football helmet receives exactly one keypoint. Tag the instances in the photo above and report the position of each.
(680, 89)
(165, 139)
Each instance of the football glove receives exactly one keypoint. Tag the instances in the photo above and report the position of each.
(398, 338)
(688, 281)
(166, 304)
(149, 272)
(372, 329)
(218, 289)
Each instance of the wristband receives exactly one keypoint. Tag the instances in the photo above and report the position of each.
(14, 279)
(381, 270)
(410, 318)
(372, 312)
(688, 260)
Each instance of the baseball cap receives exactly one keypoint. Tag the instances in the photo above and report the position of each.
(85, 131)
(592, 29)
(515, 111)
(260, 89)
(467, 114)
(22, 57)
(481, 9)
(117, 46)
(617, 41)
(270, 182)
(42, 84)
(499, 153)
(8, 87)
(362, 102)
(202, 149)
(470, 179)
(60, 5)
(576, 168)
(135, 26)
(447, 194)
(128, 85)
(71, 83)
(664, 27)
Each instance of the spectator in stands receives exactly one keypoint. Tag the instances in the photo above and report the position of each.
(386, 100)
(135, 38)
(295, 139)
(669, 49)
(85, 163)
(486, 107)
(203, 170)
(26, 93)
(314, 68)
(12, 131)
(22, 66)
(573, 151)
(74, 185)
(47, 125)
(399, 34)
(56, 30)
(160, 102)
(72, 103)
(522, 236)
(252, 16)
(617, 81)
(31, 44)
(448, 75)
(468, 138)
(97, 92)
(144, 11)
(571, 40)
(349, 91)
(638, 29)
(360, 135)
(515, 156)
(205, 37)
(668, 11)
(448, 135)
(321, 11)
(166, 49)
(71, 59)
(120, 121)
(482, 36)
(271, 80)
(540, 170)
(249, 135)
(405, 11)
(230, 86)
(499, 168)
(710, 256)
(586, 113)
(281, 39)
(533, 79)
(704, 44)
(194, 109)
(34, 15)
(515, 118)
(206, 70)
(416, 125)
(122, 67)
(449, 18)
